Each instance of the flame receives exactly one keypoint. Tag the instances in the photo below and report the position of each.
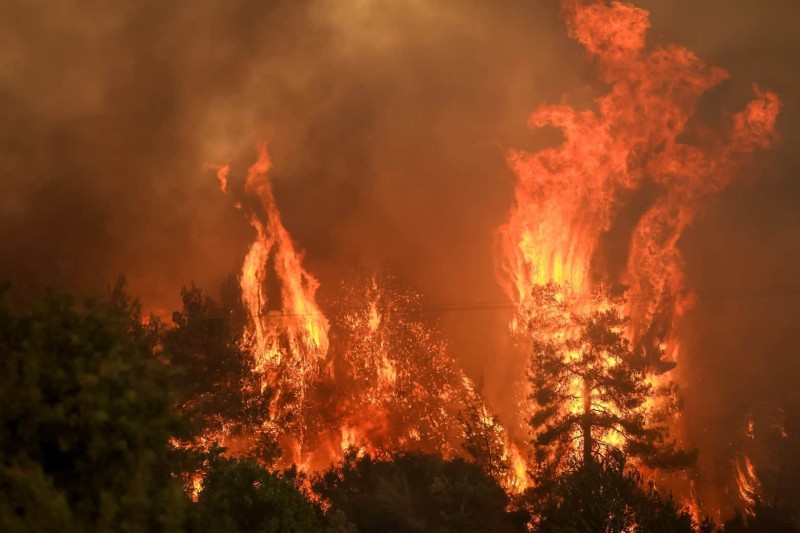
(222, 176)
(297, 315)
(387, 383)
(517, 479)
(287, 331)
(747, 482)
(639, 143)
(397, 371)
(750, 427)
(692, 503)
(197, 486)
(348, 438)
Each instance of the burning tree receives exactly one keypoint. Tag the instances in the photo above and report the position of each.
(593, 394)
(216, 384)
(485, 438)
(396, 369)
(400, 389)
(639, 144)
(377, 377)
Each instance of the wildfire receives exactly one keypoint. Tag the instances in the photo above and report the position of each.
(296, 314)
(222, 176)
(375, 379)
(638, 145)
(287, 331)
(393, 367)
(747, 481)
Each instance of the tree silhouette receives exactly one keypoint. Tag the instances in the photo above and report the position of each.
(484, 438)
(763, 518)
(216, 384)
(87, 418)
(606, 496)
(238, 494)
(590, 389)
(414, 492)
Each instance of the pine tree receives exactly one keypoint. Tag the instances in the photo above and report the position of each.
(484, 438)
(591, 391)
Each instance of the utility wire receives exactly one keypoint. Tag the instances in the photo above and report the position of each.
(716, 293)
(711, 293)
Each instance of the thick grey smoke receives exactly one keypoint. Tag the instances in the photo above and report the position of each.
(387, 122)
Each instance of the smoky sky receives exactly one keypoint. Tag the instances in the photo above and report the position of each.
(387, 123)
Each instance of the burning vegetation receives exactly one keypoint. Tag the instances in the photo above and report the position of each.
(375, 378)
(600, 330)
(369, 376)
(331, 403)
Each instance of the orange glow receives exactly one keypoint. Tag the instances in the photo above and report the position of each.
(386, 384)
(638, 141)
(222, 176)
(376, 378)
(747, 482)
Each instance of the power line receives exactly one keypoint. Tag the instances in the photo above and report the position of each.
(715, 293)
(707, 294)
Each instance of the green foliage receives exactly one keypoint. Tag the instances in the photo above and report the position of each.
(411, 492)
(87, 417)
(30, 502)
(216, 384)
(605, 496)
(240, 495)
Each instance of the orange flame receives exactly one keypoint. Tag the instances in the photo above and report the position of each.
(747, 482)
(388, 385)
(222, 176)
(638, 152)
(297, 315)
(638, 146)
(287, 332)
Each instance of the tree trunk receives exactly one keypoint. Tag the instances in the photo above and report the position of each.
(586, 423)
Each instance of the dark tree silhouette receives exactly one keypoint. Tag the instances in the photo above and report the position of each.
(240, 495)
(606, 496)
(412, 492)
(763, 518)
(216, 384)
(87, 418)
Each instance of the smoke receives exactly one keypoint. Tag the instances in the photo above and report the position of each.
(388, 123)
(739, 357)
